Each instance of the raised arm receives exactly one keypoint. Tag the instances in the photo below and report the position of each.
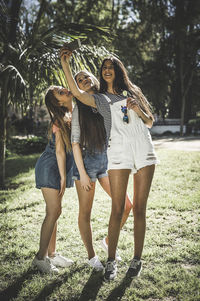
(84, 97)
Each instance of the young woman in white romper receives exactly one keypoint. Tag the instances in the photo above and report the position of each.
(130, 150)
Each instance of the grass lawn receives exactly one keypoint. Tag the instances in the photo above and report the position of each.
(171, 256)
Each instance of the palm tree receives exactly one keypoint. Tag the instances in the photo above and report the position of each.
(29, 60)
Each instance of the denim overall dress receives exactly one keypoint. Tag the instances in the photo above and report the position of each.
(46, 169)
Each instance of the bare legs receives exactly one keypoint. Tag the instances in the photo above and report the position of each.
(85, 207)
(118, 185)
(128, 205)
(142, 184)
(52, 243)
(49, 226)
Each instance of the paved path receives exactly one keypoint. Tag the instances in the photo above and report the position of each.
(191, 143)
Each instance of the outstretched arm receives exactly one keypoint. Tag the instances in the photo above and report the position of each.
(84, 97)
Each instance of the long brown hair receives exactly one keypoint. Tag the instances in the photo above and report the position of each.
(58, 116)
(122, 82)
(93, 134)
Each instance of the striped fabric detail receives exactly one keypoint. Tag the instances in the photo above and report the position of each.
(103, 102)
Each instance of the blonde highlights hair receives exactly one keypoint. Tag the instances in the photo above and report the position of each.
(96, 82)
(58, 116)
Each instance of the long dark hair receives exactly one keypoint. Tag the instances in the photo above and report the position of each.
(93, 134)
(122, 83)
(58, 116)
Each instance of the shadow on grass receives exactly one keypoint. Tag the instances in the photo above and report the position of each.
(12, 291)
(92, 287)
(5, 210)
(20, 164)
(119, 291)
(13, 186)
(48, 289)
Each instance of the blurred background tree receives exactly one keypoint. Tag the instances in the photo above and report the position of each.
(158, 41)
(30, 39)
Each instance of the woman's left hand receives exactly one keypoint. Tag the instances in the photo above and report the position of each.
(133, 104)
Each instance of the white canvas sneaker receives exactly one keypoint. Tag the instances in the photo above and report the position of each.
(60, 261)
(44, 265)
(96, 263)
(105, 247)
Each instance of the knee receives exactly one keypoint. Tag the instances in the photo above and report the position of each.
(55, 213)
(139, 210)
(117, 211)
(84, 215)
(58, 213)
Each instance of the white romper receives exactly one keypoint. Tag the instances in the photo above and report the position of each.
(129, 144)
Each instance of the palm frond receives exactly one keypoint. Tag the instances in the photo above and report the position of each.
(10, 69)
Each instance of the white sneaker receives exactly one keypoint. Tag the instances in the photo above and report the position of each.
(45, 265)
(105, 247)
(60, 261)
(96, 263)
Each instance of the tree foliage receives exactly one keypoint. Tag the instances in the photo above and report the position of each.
(29, 56)
(158, 41)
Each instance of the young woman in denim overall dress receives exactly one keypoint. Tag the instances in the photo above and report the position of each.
(130, 150)
(88, 139)
(53, 173)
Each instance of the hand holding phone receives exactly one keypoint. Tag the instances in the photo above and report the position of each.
(72, 45)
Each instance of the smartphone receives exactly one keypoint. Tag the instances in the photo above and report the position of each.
(73, 45)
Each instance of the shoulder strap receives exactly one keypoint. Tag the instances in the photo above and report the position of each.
(107, 98)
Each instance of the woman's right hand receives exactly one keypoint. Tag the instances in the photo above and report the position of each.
(86, 182)
(62, 187)
(65, 55)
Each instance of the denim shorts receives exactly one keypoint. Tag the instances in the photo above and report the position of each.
(95, 165)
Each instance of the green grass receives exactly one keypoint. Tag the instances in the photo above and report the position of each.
(171, 254)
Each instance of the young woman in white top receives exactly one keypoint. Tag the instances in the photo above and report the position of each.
(130, 150)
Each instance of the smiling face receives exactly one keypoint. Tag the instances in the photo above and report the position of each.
(85, 81)
(108, 72)
(63, 96)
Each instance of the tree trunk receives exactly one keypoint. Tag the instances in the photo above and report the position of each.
(180, 35)
(14, 18)
(3, 123)
(181, 78)
(184, 95)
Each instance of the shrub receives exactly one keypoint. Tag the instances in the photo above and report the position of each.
(194, 124)
(27, 146)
